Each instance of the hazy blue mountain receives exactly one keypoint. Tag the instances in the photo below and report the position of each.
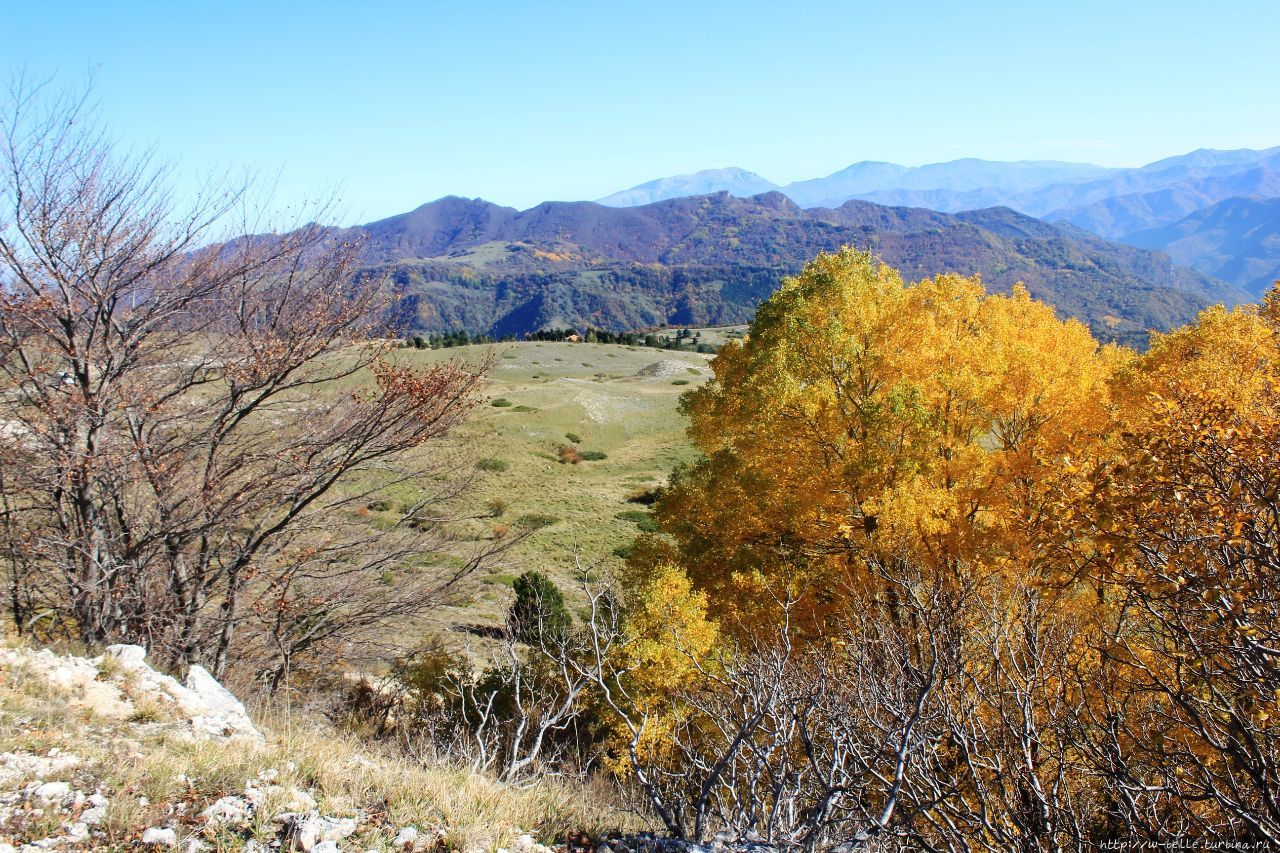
(736, 182)
(1111, 202)
(956, 185)
(1115, 217)
(1236, 240)
(1211, 161)
(1067, 199)
(850, 182)
(947, 201)
(1018, 176)
(1163, 174)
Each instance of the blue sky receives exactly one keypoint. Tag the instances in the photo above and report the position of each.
(395, 104)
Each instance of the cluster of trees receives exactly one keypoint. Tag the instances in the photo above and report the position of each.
(950, 576)
(684, 339)
(957, 577)
(182, 455)
(460, 338)
(523, 293)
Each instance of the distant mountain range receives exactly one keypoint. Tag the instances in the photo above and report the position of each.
(1121, 215)
(953, 182)
(1128, 205)
(710, 259)
(967, 184)
(1236, 240)
(737, 182)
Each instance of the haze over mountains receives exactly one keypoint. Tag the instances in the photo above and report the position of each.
(1235, 240)
(1128, 205)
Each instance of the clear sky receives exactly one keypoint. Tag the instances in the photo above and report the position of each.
(396, 104)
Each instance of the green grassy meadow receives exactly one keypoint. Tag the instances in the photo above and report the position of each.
(586, 396)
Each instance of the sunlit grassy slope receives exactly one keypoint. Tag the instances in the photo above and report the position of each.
(559, 392)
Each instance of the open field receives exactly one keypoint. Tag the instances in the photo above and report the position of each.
(718, 336)
(591, 398)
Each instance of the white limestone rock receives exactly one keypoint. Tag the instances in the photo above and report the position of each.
(51, 792)
(526, 844)
(305, 831)
(159, 837)
(406, 838)
(15, 765)
(228, 811)
(223, 714)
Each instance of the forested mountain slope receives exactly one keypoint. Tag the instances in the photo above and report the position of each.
(702, 260)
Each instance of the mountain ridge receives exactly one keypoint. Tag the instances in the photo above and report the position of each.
(468, 263)
(1118, 216)
(1035, 187)
(731, 179)
(1236, 240)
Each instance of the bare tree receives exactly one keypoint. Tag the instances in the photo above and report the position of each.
(802, 739)
(188, 425)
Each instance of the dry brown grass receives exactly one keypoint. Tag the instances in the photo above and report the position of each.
(138, 759)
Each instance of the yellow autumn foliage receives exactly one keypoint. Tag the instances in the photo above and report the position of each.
(871, 438)
(864, 416)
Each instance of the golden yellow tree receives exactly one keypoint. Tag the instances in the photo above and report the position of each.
(1187, 531)
(862, 417)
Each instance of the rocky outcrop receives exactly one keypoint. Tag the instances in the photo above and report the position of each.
(668, 368)
(121, 685)
(107, 753)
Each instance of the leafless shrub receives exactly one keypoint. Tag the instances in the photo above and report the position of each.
(515, 706)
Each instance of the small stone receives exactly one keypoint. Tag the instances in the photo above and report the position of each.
(51, 792)
(525, 843)
(406, 838)
(157, 837)
(228, 811)
(325, 847)
(130, 657)
(305, 831)
(94, 816)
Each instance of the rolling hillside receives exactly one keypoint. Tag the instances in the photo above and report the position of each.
(709, 260)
